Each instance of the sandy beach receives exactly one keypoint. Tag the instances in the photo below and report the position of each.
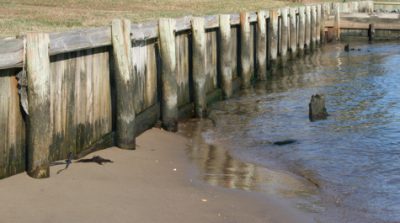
(155, 183)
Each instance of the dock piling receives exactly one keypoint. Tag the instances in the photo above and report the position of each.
(39, 119)
(124, 81)
(169, 101)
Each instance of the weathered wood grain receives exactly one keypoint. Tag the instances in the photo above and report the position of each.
(307, 36)
(284, 33)
(147, 119)
(144, 31)
(318, 23)
(79, 40)
(80, 100)
(313, 13)
(211, 61)
(302, 29)
(169, 104)
(183, 58)
(337, 21)
(40, 127)
(124, 83)
(144, 65)
(245, 44)
(261, 46)
(12, 126)
(273, 36)
(225, 55)
(235, 44)
(199, 66)
(293, 31)
(11, 53)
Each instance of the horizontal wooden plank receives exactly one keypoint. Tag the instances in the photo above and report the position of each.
(393, 16)
(147, 119)
(183, 24)
(212, 21)
(105, 142)
(11, 53)
(144, 31)
(214, 96)
(11, 50)
(186, 111)
(386, 3)
(79, 40)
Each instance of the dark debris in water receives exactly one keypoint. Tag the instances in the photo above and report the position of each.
(285, 142)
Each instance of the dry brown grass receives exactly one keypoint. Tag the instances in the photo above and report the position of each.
(19, 16)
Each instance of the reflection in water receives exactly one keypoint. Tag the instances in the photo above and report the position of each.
(219, 168)
(352, 159)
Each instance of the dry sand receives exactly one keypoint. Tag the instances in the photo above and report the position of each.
(155, 183)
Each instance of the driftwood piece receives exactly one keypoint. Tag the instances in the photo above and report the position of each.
(317, 109)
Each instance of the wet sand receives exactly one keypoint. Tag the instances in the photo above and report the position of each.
(155, 183)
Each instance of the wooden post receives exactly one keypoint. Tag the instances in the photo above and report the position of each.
(302, 28)
(39, 119)
(337, 21)
(317, 109)
(169, 108)
(124, 81)
(261, 46)
(225, 54)
(308, 27)
(284, 33)
(370, 7)
(199, 65)
(273, 36)
(313, 26)
(319, 18)
(293, 31)
(371, 32)
(323, 15)
(245, 49)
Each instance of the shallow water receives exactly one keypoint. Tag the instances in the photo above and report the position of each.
(345, 168)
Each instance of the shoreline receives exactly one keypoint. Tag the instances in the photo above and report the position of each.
(155, 183)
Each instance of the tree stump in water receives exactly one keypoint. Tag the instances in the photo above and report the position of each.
(317, 109)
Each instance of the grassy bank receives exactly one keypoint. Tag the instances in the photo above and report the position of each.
(19, 16)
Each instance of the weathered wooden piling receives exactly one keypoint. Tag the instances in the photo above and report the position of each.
(318, 23)
(293, 31)
(371, 32)
(169, 102)
(245, 55)
(307, 36)
(39, 119)
(313, 14)
(317, 109)
(336, 25)
(261, 46)
(225, 54)
(199, 65)
(124, 84)
(323, 16)
(273, 36)
(302, 29)
(284, 34)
